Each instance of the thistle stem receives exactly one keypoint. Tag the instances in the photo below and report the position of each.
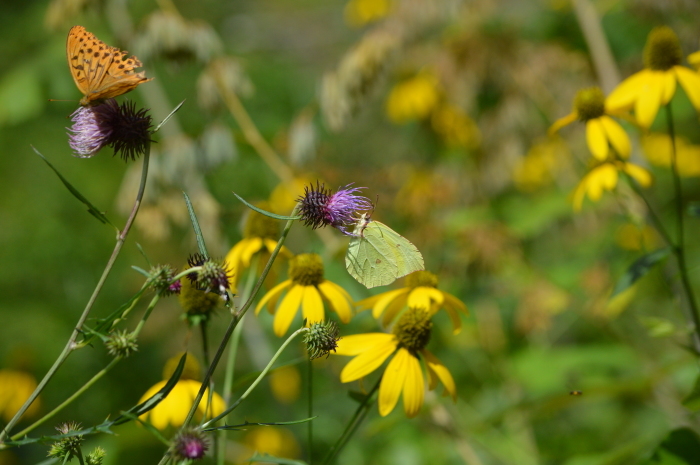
(70, 345)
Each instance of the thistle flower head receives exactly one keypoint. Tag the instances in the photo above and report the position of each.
(190, 445)
(163, 276)
(320, 207)
(122, 127)
(213, 277)
(321, 339)
(69, 447)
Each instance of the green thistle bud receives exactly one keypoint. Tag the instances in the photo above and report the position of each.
(321, 338)
(121, 344)
(163, 276)
(95, 457)
(66, 448)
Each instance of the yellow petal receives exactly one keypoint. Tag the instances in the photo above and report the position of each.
(617, 136)
(668, 86)
(690, 81)
(253, 245)
(595, 137)
(386, 299)
(311, 305)
(392, 382)
(337, 300)
(393, 309)
(579, 195)
(287, 310)
(233, 262)
(369, 302)
(561, 122)
(602, 178)
(641, 175)
(272, 294)
(647, 105)
(424, 297)
(435, 367)
(368, 361)
(358, 343)
(625, 94)
(413, 386)
(453, 306)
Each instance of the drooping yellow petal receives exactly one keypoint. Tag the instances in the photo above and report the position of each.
(595, 137)
(272, 294)
(424, 297)
(453, 306)
(616, 136)
(602, 178)
(312, 305)
(287, 309)
(561, 122)
(413, 386)
(690, 81)
(358, 343)
(369, 302)
(392, 382)
(641, 175)
(233, 261)
(368, 361)
(625, 94)
(336, 298)
(649, 99)
(668, 86)
(435, 367)
(253, 245)
(386, 299)
(393, 309)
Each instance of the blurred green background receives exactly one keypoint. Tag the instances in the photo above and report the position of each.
(437, 107)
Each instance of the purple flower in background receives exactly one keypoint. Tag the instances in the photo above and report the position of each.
(191, 445)
(320, 207)
(122, 127)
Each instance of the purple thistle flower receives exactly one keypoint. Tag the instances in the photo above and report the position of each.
(191, 445)
(121, 127)
(320, 207)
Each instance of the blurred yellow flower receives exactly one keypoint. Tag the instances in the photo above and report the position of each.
(413, 99)
(275, 441)
(403, 375)
(604, 178)
(173, 410)
(285, 383)
(602, 132)
(283, 197)
(15, 388)
(361, 12)
(420, 292)
(455, 126)
(631, 236)
(694, 60)
(658, 150)
(308, 289)
(538, 167)
(260, 235)
(655, 85)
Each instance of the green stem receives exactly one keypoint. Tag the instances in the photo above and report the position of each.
(70, 345)
(352, 425)
(232, 325)
(310, 386)
(231, 360)
(679, 249)
(258, 379)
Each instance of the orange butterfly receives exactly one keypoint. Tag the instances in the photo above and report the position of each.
(99, 70)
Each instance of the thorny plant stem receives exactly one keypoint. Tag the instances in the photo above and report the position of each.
(352, 425)
(232, 325)
(89, 384)
(260, 377)
(70, 345)
(679, 248)
(231, 360)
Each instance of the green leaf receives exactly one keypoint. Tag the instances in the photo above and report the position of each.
(165, 120)
(91, 208)
(247, 423)
(692, 400)
(658, 327)
(640, 268)
(195, 226)
(266, 213)
(680, 447)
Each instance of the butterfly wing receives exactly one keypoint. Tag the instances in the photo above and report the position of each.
(99, 70)
(378, 255)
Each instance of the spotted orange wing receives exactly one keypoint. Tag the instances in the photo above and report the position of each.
(99, 70)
